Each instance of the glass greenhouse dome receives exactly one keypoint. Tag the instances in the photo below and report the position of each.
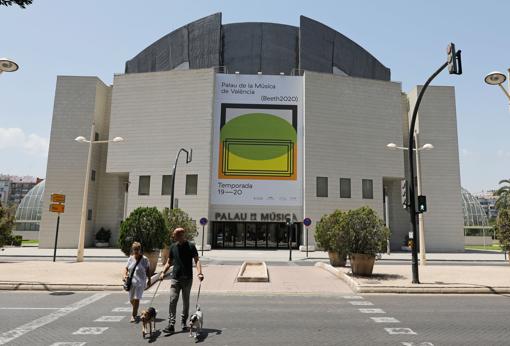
(474, 215)
(28, 214)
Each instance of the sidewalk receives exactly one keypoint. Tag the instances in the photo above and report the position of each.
(281, 255)
(433, 279)
(98, 276)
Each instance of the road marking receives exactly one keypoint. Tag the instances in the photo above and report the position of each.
(143, 301)
(30, 326)
(372, 311)
(385, 320)
(353, 297)
(361, 302)
(29, 308)
(68, 344)
(420, 344)
(395, 331)
(90, 331)
(122, 310)
(109, 319)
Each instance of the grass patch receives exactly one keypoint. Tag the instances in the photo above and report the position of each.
(492, 247)
(28, 241)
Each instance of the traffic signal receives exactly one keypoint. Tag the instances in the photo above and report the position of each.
(454, 59)
(403, 193)
(422, 204)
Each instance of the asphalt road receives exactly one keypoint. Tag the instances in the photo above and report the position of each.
(43, 318)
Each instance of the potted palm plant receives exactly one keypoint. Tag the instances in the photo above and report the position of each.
(175, 218)
(367, 236)
(147, 226)
(331, 236)
(103, 237)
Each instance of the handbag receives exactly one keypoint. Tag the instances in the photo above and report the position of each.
(128, 281)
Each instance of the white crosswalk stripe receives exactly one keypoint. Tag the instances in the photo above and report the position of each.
(90, 331)
(122, 310)
(361, 302)
(68, 344)
(385, 320)
(372, 311)
(109, 319)
(395, 331)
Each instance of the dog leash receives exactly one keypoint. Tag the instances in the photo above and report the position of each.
(156, 291)
(198, 295)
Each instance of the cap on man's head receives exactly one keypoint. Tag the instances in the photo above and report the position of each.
(178, 231)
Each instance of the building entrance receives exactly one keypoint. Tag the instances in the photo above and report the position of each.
(254, 235)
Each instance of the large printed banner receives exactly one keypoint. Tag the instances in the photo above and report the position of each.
(257, 140)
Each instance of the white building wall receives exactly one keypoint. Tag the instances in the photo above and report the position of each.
(348, 122)
(440, 172)
(157, 114)
(78, 102)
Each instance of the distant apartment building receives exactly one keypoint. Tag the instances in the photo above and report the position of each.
(487, 201)
(4, 191)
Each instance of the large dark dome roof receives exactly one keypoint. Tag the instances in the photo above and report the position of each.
(253, 47)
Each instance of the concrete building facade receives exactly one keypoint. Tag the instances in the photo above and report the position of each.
(340, 111)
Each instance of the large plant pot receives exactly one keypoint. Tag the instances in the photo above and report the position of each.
(362, 264)
(165, 252)
(153, 260)
(337, 259)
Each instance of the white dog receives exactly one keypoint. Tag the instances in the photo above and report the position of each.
(196, 323)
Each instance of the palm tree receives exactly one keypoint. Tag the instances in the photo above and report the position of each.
(503, 193)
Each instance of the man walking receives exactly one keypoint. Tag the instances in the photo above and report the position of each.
(181, 256)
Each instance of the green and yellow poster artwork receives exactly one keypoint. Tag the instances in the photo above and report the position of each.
(258, 142)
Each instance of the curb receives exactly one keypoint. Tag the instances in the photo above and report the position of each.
(418, 289)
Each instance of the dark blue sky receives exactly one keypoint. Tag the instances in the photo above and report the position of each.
(96, 37)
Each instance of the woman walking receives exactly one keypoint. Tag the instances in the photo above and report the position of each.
(137, 267)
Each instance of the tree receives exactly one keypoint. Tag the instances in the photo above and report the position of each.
(145, 225)
(503, 193)
(20, 3)
(503, 229)
(6, 225)
(178, 218)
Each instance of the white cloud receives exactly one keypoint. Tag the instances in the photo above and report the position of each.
(15, 138)
(503, 153)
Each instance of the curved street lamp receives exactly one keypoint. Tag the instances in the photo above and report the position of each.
(83, 221)
(7, 65)
(497, 78)
(421, 233)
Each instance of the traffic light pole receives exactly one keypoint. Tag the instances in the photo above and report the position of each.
(412, 194)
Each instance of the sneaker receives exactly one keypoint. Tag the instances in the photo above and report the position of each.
(170, 329)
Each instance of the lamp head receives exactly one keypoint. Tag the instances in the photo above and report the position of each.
(427, 146)
(391, 146)
(495, 78)
(80, 139)
(117, 139)
(7, 65)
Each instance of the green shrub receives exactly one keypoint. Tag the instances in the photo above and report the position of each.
(6, 225)
(176, 218)
(331, 233)
(367, 233)
(17, 240)
(145, 225)
(103, 235)
(503, 229)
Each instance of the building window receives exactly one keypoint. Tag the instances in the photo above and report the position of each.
(93, 175)
(96, 136)
(191, 184)
(144, 185)
(89, 214)
(166, 185)
(367, 188)
(322, 186)
(345, 188)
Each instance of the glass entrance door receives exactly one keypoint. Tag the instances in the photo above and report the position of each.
(259, 235)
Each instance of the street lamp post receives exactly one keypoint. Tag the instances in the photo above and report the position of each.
(83, 221)
(188, 160)
(421, 224)
(7, 65)
(498, 78)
